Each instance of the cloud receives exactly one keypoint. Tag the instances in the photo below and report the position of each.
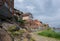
(20, 1)
(46, 10)
(30, 7)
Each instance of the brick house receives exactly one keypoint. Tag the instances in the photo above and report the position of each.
(6, 8)
(33, 25)
(39, 23)
(36, 25)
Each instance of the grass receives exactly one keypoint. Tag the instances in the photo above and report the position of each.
(32, 39)
(50, 33)
(15, 33)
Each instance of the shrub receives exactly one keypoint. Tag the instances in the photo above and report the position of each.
(11, 28)
(14, 32)
(32, 39)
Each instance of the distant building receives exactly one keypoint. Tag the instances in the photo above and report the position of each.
(33, 25)
(37, 25)
(18, 14)
(27, 16)
(45, 26)
(6, 8)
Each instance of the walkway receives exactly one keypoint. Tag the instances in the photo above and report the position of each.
(42, 38)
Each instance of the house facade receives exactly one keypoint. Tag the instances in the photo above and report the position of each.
(33, 25)
(36, 25)
(27, 16)
(18, 14)
(45, 26)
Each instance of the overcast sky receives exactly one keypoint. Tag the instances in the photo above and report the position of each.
(47, 11)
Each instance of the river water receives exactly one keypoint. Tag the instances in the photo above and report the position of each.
(57, 30)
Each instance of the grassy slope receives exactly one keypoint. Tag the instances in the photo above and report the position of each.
(50, 33)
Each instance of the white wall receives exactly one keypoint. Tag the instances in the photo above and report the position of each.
(26, 18)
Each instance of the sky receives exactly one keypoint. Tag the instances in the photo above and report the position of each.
(47, 11)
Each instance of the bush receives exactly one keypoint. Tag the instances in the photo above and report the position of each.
(14, 32)
(32, 39)
(11, 28)
(50, 33)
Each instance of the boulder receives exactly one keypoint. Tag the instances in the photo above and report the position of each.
(4, 36)
(5, 13)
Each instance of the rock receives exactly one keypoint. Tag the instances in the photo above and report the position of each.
(6, 25)
(4, 36)
(5, 13)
